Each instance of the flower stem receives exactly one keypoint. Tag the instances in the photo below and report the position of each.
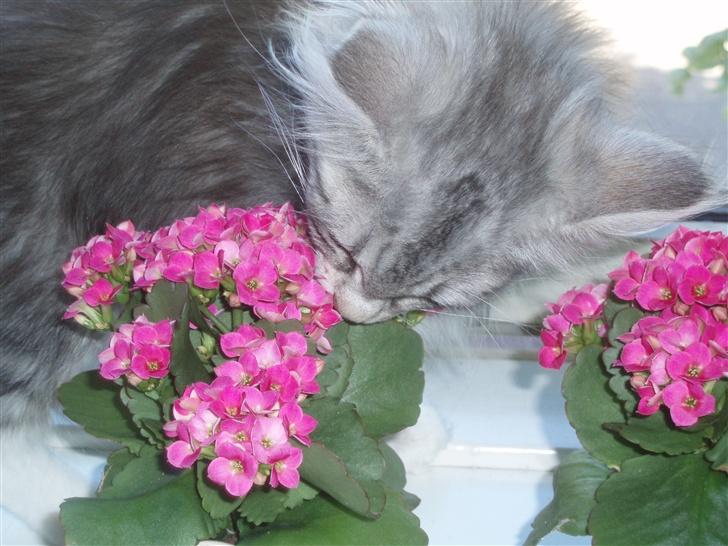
(215, 321)
(237, 317)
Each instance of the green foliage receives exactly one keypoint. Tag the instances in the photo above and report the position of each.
(575, 483)
(387, 391)
(214, 499)
(710, 53)
(94, 403)
(170, 513)
(371, 386)
(670, 486)
(322, 522)
(658, 500)
(655, 434)
(264, 505)
(589, 403)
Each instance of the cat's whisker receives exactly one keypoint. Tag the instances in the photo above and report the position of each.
(280, 130)
(483, 325)
(275, 155)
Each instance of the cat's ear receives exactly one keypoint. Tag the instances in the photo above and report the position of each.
(383, 74)
(621, 181)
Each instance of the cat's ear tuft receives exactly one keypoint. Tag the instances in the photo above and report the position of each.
(620, 181)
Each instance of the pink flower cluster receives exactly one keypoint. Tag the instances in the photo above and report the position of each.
(677, 353)
(687, 268)
(139, 351)
(245, 418)
(258, 258)
(575, 315)
(680, 348)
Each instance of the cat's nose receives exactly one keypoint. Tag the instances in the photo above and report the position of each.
(354, 307)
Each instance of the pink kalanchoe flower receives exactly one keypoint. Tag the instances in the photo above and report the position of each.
(101, 256)
(191, 236)
(101, 292)
(659, 292)
(234, 468)
(297, 424)
(586, 305)
(325, 317)
(553, 354)
(76, 281)
(241, 340)
(256, 282)
(228, 403)
(687, 402)
(634, 357)
(179, 267)
(650, 400)
(279, 380)
(269, 438)
(700, 285)
(277, 312)
(152, 333)
(305, 369)
(658, 369)
(312, 294)
(291, 344)
(244, 372)
(629, 277)
(267, 353)
(257, 402)
(237, 432)
(208, 270)
(203, 425)
(284, 467)
(184, 452)
(695, 365)
(150, 361)
(558, 323)
(116, 360)
(683, 332)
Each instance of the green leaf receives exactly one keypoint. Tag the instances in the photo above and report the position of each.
(657, 500)
(718, 455)
(93, 402)
(215, 500)
(589, 403)
(610, 356)
(575, 482)
(145, 413)
(623, 322)
(341, 431)
(325, 471)
(169, 514)
(323, 522)
(394, 476)
(165, 301)
(185, 366)
(710, 52)
(114, 464)
(140, 475)
(264, 505)
(612, 306)
(387, 381)
(657, 434)
(335, 376)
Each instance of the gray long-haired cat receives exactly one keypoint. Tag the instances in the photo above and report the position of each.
(439, 149)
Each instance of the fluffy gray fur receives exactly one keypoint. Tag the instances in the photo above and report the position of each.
(441, 148)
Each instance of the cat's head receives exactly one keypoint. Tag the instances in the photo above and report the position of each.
(453, 146)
